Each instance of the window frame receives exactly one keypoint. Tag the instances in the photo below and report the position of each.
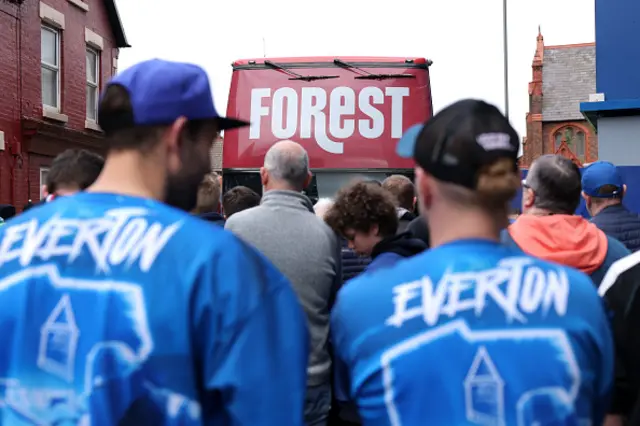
(44, 172)
(94, 85)
(55, 68)
(580, 143)
(575, 131)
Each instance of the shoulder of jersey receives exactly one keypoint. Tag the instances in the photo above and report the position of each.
(627, 267)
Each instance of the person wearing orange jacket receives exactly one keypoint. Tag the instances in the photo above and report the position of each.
(549, 229)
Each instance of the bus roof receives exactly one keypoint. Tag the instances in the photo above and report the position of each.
(330, 59)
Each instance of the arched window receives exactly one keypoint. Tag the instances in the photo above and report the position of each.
(575, 139)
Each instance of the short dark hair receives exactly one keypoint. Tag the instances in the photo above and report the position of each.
(115, 115)
(77, 167)
(609, 192)
(402, 190)
(556, 183)
(239, 198)
(360, 206)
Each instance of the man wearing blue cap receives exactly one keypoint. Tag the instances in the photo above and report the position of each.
(116, 308)
(603, 190)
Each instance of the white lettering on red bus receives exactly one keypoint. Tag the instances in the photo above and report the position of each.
(308, 113)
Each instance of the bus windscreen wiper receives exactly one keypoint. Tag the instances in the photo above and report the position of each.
(296, 76)
(366, 75)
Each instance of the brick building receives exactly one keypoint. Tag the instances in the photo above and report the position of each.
(216, 155)
(563, 77)
(55, 56)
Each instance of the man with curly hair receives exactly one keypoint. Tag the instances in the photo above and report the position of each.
(365, 215)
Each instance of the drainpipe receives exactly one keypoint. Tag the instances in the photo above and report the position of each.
(16, 145)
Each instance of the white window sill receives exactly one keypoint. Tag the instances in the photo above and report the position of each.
(92, 125)
(52, 114)
(80, 4)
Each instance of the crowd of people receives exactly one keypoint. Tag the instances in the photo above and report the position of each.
(137, 293)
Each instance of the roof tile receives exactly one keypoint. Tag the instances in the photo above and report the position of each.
(568, 78)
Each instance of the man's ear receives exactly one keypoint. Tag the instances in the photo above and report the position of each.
(264, 176)
(374, 230)
(584, 196)
(172, 141)
(423, 184)
(528, 198)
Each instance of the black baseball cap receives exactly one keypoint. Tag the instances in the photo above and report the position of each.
(459, 141)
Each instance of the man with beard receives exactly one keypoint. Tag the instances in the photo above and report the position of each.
(116, 307)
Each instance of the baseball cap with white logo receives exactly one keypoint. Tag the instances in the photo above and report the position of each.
(458, 142)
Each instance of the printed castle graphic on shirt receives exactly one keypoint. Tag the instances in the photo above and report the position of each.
(484, 391)
(491, 332)
(70, 366)
(59, 340)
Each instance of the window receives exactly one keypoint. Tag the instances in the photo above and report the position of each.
(44, 173)
(558, 138)
(580, 146)
(93, 83)
(574, 138)
(50, 65)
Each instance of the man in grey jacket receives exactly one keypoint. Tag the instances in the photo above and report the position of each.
(286, 230)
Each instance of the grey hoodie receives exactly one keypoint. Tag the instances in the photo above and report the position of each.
(286, 230)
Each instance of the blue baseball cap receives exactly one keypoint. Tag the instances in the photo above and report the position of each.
(162, 91)
(599, 174)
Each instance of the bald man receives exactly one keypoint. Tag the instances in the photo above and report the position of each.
(286, 230)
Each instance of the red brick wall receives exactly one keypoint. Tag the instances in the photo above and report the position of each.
(73, 56)
(9, 103)
(20, 85)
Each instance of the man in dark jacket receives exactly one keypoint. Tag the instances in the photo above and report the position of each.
(620, 290)
(208, 205)
(365, 215)
(404, 195)
(603, 190)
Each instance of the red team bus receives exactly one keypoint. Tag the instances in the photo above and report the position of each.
(347, 112)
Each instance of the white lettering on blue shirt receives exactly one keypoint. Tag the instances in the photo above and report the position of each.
(516, 286)
(121, 236)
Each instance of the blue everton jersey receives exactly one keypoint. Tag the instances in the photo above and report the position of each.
(116, 310)
(473, 333)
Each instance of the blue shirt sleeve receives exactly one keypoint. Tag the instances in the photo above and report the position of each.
(251, 336)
